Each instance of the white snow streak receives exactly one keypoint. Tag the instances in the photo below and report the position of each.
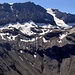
(62, 36)
(58, 21)
(44, 40)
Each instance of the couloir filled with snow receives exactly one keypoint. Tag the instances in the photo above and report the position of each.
(58, 21)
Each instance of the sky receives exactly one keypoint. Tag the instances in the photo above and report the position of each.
(63, 5)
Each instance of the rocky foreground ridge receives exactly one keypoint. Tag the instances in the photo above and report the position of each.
(42, 50)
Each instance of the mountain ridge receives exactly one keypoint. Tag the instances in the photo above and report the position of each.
(23, 12)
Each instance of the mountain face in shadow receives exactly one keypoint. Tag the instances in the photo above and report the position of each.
(60, 53)
(23, 12)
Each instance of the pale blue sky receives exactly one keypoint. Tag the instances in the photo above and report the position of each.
(62, 5)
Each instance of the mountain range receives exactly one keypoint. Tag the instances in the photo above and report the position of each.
(23, 12)
(36, 41)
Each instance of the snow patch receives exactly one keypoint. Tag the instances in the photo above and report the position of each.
(59, 41)
(63, 36)
(8, 36)
(24, 28)
(11, 7)
(24, 40)
(13, 37)
(34, 55)
(2, 36)
(44, 32)
(27, 48)
(31, 64)
(57, 20)
(21, 51)
(44, 40)
(21, 58)
(29, 40)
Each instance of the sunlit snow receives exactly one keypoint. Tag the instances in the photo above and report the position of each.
(62, 36)
(58, 21)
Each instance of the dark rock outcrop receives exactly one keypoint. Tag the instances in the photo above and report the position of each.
(23, 12)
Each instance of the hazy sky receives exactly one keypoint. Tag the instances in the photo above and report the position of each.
(62, 5)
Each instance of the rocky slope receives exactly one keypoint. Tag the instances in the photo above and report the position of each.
(23, 12)
(36, 48)
(66, 17)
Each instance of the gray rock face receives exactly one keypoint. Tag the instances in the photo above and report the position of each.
(52, 53)
(23, 12)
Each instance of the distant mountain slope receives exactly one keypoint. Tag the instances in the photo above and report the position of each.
(66, 17)
(23, 12)
(58, 21)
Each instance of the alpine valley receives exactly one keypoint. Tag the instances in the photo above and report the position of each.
(36, 41)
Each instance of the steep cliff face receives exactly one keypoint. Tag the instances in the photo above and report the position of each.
(23, 12)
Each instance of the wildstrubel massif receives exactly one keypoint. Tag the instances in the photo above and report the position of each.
(36, 41)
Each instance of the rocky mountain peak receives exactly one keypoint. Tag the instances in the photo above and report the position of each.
(23, 12)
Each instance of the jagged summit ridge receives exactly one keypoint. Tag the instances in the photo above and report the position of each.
(23, 12)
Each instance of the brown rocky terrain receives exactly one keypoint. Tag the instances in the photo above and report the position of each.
(51, 53)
